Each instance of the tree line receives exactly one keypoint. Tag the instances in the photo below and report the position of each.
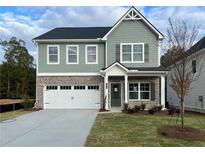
(17, 70)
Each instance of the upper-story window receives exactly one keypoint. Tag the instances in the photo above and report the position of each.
(193, 66)
(132, 52)
(72, 54)
(91, 54)
(53, 54)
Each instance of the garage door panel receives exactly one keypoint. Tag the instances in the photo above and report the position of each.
(72, 99)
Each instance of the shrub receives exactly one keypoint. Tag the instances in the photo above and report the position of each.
(125, 107)
(130, 110)
(158, 108)
(142, 107)
(152, 110)
(27, 103)
(137, 108)
(172, 110)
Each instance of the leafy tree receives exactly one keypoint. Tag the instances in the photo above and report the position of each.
(15, 69)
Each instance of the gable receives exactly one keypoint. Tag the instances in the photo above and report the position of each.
(133, 14)
(133, 31)
(116, 70)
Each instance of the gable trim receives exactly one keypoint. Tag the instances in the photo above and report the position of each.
(114, 64)
(160, 35)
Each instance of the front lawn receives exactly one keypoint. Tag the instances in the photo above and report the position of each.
(120, 129)
(13, 114)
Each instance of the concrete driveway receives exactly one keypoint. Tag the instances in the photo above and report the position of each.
(48, 128)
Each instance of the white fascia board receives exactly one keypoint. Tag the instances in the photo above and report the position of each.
(67, 40)
(159, 52)
(145, 72)
(68, 74)
(116, 63)
(143, 18)
(36, 58)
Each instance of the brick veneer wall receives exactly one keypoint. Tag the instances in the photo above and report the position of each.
(156, 80)
(42, 81)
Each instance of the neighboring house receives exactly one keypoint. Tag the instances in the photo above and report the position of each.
(88, 67)
(195, 101)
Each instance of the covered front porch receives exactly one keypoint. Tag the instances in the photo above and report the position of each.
(125, 86)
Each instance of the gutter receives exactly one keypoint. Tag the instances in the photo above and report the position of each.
(68, 40)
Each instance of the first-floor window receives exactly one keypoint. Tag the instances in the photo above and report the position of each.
(144, 91)
(133, 91)
(139, 91)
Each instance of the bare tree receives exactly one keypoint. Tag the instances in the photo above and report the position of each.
(181, 37)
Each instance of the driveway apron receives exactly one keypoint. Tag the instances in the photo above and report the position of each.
(48, 128)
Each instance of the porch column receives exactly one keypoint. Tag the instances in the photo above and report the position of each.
(106, 92)
(163, 91)
(126, 99)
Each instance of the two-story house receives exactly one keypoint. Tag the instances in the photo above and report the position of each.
(88, 67)
(195, 99)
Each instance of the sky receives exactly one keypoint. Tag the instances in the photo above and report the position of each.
(28, 22)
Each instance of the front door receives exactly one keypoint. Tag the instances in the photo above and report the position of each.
(115, 95)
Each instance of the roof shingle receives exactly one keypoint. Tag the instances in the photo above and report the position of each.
(196, 47)
(75, 33)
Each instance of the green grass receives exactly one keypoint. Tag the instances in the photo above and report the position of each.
(120, 129)
(13, 114)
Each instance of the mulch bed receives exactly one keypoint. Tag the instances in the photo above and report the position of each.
(145, 113)
(186, 133)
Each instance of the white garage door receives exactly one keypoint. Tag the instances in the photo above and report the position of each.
(72, 97)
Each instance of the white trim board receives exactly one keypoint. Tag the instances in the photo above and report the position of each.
(68, 74)
(159, 53)
(118, 64)
(106, 54)
(68, 40)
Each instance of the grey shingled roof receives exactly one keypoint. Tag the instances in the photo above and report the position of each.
(160, 68)
(75, 33)
(196, 47)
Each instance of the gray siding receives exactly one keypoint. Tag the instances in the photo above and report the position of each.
(62, 67)
(133, 32)
(197, 89)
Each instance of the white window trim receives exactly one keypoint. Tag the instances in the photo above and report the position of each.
(86, 59)
(132, 61)
(139, 91)
(135, 91)
(58, 47)
(145, 91)
(72, 45)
